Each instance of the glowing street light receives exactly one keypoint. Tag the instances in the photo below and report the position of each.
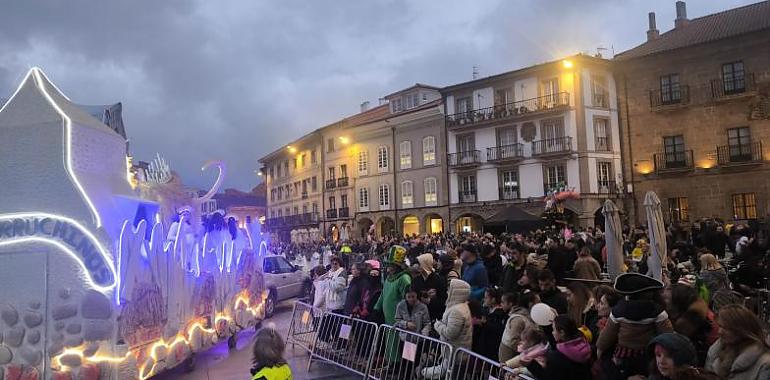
(567, 64)
(345, 140)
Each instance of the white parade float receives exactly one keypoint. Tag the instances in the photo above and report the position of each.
(92, 286)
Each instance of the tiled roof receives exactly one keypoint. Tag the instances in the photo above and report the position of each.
(729, 23)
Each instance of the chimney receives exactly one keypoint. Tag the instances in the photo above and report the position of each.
(681, 15)
(652, 32)
(365, 106)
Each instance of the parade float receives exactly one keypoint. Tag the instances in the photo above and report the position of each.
(104, 275)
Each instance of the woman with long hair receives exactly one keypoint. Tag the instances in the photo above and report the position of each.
(742, 351)
(713, 274)
(692, 318)
(582, 308)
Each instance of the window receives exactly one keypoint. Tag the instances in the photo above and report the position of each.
(431, 198)
(599, 91)
(304, 186)
(424, 96)
(280, 193)
(331, 173)
(550, 92)
(272, 173)
(280, 173)
(315, 208)
(286, 168)
(330, 145)
(503, 96)
(296, 210)
(506, 136)
(405, 150)
(429, 150)
(314, 183)
(744, 206)
(363, 162)
(294, 160)
(304, 160)
(343, 171)
(733, 78)
(280, 213)
(552, 129)
(467, 188)
(344, 201)
(602, 137)
(363, 199)
(604, 177)
(272, 195)
(678, 209)
(464, 105)
(313, 158)
(555, 177)
(304, 208)
(396, 105)
(510, 184)
(674, 153)
(384, 197)
(407, 198)
(382, 159)
(332, 202)
(670, 91)
(739, 142)
(287, 211)
(412, 100)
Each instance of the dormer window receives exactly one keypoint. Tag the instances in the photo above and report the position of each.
(412, 100)
(397, 105)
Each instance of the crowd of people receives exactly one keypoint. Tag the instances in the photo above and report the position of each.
(540, 304)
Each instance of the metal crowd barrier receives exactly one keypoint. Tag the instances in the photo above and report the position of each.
(472, 366)
(344, 341)
(401, 354)
(303, 327)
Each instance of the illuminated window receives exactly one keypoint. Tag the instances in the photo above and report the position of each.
(382, 159)
(429, 150)
(431, 197)
(384, 193)
(405, 151)
(363, 162)
(407, 197)
(363, 199)
(678, 209)
(744, 206)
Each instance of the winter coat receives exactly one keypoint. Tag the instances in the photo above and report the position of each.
(587, 268)
(334, 297)
(511, 276)
(431, 281)
(491, 334)
(632, 324)
(475, 275)
(455, 326)
(570, 360)
(418, 315)
(358, 292)
(516, 324)
(555, 299)
(753, 363)
(393, 292)
(494, 267)
(715, 280)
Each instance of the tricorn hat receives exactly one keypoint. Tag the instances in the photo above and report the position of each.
(632, 283)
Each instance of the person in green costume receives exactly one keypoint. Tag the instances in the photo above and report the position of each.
(396, 284)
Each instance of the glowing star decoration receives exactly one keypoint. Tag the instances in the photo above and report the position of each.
(68, 150)
(69, 236)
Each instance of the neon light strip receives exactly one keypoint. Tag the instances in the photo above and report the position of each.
(68, 126)
(103, 252)
(17, 90)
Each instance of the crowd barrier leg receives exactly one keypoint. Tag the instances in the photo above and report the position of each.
(344, 342)
(467, 365)
(303, 326)
(401, 354)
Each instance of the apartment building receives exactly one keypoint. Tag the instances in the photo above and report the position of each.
(513, 137)
(293, 176)
(695, 103)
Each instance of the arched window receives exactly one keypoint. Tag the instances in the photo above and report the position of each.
(429, 150)
(407, 198)
(405, 150)
(431, 191)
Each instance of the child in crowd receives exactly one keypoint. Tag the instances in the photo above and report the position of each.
(532, 347)
(517, 323)
(569, 359)
(268, 361)
(413, 315)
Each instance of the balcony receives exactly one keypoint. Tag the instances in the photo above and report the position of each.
(342, 182)
(331, 214)
(508, 194)
(670, 98)
(331, 183)
(510, 152)
(600, 100)
(292, 220)
(467, 158)
(509, 111)
(344, 212)
(728, 87)
(602, 144)
(737, 155)
(673, 161)
(607, 187)
(467, 196)
(552, 147)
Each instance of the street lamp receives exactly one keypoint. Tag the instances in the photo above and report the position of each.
(567, 64)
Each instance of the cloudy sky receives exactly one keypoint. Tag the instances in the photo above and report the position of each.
(235, 80)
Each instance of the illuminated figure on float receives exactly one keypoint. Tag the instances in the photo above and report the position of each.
(91, 284)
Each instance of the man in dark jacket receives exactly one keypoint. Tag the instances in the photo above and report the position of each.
(474, 272)
(513, 270)
(493, 263)
(550, 294)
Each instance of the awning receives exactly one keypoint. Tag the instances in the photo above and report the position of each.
(515, 220)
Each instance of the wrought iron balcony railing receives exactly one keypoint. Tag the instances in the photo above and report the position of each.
(662, 97)
(559, 145)
(607, 187)
(344, 212)
(505, 152)
(467, 196)
(735, 85)
(331, 183)
(470, 157)
(509, 110)
(508, 193)
(342, 182)
(673, 161)
(739, 154)
(331, 213)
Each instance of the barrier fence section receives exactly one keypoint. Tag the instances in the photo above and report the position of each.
(401, 354)
(471, 366)
(303, 327)
(344, 341)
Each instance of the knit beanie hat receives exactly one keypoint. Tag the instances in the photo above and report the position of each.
(678, 346)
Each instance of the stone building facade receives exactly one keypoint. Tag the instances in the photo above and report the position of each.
(695, 111)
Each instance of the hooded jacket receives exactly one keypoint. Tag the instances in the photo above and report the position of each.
(455, 326)
(753, 363)
(475, 274)
(570, 360)
(427, 280)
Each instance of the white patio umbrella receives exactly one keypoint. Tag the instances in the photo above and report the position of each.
(656, 230)
(613, 236)
(344, 233)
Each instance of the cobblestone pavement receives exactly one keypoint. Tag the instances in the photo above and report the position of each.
(219, 363)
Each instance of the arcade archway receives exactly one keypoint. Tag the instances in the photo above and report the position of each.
(386, 226)
(410, 225)
(434, 224)
(469, 223)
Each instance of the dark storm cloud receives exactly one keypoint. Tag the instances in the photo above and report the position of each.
(237, 79)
